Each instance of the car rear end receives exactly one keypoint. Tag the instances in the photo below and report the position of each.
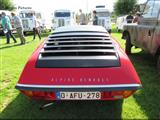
(79, 63)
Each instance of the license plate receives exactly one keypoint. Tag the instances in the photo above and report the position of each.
(78, 95)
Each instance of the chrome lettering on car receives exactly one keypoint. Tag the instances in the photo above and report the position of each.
(81, 80)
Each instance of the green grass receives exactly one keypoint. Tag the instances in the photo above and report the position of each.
(144, 104)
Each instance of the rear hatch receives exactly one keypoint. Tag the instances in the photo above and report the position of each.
(79, 49)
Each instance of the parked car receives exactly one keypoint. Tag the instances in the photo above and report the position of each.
(120, 23)
(63, 18)
(27, 20)
(146, 33)
(79, 63)
(104, 17)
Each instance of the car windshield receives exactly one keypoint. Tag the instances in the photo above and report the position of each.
(62, 14)
(152, 9)
(103, 14)
(38, 15)
(25, 15)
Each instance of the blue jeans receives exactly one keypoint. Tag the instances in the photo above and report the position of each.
(8, 35)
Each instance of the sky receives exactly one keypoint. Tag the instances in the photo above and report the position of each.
(74, 5)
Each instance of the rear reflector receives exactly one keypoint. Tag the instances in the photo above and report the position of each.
(27, 93)
(127, 93)
(122, 94)
(40, 95)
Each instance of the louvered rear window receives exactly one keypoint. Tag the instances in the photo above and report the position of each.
(78, 49)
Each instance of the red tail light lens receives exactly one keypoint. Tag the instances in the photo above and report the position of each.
(128, 93)
(113, 95)
(40, 95)
(27, 93)
(122, 94)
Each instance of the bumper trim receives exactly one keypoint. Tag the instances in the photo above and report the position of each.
(78, 87)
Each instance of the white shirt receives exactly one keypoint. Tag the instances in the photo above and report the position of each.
(17, 22)
(82, 18)
(34, 21)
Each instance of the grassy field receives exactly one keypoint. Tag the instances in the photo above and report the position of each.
(142, 105)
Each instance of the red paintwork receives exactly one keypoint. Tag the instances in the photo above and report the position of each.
(125, 74)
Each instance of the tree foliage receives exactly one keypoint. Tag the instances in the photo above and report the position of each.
(123, 7)
(6, 5)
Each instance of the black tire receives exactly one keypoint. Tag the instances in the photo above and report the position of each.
(109, 31)
(158, 63)
(128, 44)
(25, 33)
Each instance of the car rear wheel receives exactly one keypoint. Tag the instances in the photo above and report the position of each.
(158, 64)
(109, 31)
(25, 33)
(128, 45)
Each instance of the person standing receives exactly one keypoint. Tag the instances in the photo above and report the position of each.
(137, 18)
(82, 18)
(7, 28)
(95, 18)
(129, 18)
(19, 27)
(35, 28)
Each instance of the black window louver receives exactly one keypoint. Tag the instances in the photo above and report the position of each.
(80, 49)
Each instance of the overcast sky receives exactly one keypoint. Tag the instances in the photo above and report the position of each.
(75, 5)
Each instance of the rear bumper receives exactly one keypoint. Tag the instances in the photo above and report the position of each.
(78, 87)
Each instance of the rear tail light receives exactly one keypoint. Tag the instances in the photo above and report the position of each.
(39, 95)
(128, 93)
(117, 94)
(27, 93)
(122, 94)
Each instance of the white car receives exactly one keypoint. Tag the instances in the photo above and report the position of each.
(27, 19)
(63, 18)
(104, 18)
(121, 21)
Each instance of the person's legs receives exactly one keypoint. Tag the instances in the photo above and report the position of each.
(7, 37)
(13, 37)
(37, 31)
(34, 32)
(21, 35)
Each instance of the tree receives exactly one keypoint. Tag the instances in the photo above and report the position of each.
(123, 7)
(6, 5)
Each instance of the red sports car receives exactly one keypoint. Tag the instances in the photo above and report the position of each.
(79, 63)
